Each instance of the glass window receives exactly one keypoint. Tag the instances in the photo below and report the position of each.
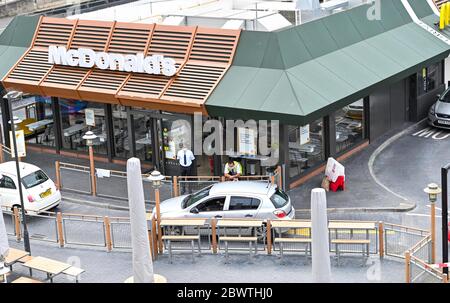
(34, 179)
(143, 136)
(195, 197)
(36, 114)
(306, 147)
(120, 125)
(7, 182)
(279, 198)
(238, 203)
(77, 117)
(349, 126)
(427, 79)
(215, 204)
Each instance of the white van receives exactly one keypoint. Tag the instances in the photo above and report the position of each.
(39, 191)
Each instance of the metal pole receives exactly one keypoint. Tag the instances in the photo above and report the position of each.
(26, 238)
(444, 173)
(433, 232)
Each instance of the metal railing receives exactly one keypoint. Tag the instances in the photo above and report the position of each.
(399, 239)
(113, 185)
(84, 230)
(72, 177)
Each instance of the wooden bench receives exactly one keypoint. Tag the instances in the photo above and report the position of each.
(364, 243)
(169, 239)
(250, 240)
(74, 272)
(281, 241)
(26, 280)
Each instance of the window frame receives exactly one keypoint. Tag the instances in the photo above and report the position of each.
(209, 198)
(246, 209)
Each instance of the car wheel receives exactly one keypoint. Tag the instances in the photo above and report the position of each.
(174, 230)
(260, 233)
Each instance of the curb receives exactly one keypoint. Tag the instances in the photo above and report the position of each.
(95, 204)
(405, 208)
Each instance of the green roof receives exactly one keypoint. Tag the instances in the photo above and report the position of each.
(15, 39)
(304, 72)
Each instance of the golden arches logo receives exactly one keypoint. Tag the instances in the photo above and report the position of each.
(444, 20)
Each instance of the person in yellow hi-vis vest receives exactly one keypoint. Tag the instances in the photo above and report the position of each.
(233, 170)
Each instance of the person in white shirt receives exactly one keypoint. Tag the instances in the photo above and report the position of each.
(185, 158)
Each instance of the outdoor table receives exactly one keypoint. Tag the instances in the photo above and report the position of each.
(38, 124)
(51, 267)
(279, 224)
(229, 223)
(195, 223)
(14, 255)
(72, 130)
(367, 226)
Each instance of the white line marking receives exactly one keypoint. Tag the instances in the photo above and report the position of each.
(428, 205)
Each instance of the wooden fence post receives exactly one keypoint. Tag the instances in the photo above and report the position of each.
(59, 224)
(154, 238)
(445, 278)
(381, 238)
(17, 223)
(150, 241)
(269, 237)
(272, 180)
(175, 186)
(58, 175)
(2, 159)
(108, 238)
(408, 266)
(280, 177)
(222, 179)
(214, 235)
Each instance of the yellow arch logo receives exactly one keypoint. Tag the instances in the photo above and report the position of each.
(444, 20)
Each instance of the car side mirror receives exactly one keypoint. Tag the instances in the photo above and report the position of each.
(194, 210)
(438, 96)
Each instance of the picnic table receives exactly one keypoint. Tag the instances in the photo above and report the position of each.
(72, 130)
(336, 226)
(14, 255)
(51, 267)
(37, 125)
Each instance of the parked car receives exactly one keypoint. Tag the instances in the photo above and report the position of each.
(439, 113)
(232, 200)
(355, 110)
(39, 191)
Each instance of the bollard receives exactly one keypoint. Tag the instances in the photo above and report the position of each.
(17, 223)
(58, 175)
(381, 238)
(214, 235)
(108, 238)
(59, 224)
(269, 237)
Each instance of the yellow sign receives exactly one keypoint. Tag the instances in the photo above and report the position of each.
(20, 141)
(444, 20)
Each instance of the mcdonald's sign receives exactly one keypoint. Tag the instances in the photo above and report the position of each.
(445, 16)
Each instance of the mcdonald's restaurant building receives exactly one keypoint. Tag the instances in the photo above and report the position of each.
(335, 84)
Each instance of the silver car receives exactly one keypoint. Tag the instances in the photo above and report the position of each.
(234, 199)
(439, 113)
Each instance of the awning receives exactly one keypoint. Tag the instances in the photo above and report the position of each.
(305, 72)
(201, 57)
(15, 39)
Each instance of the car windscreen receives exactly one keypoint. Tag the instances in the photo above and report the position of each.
(445, 97)
(195, 197)
(279, 198)
(34, 179)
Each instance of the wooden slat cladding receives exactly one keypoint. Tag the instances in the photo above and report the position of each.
(88, 35)
(53, 32)
(202, 57)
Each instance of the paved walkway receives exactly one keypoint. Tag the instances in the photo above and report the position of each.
(115, 267)
(361, 190)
